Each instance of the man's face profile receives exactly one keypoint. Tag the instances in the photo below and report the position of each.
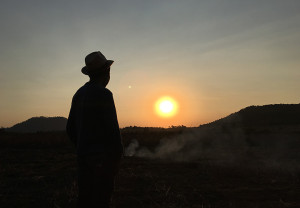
(107, 78)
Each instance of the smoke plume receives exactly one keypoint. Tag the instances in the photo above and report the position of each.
(229, 146)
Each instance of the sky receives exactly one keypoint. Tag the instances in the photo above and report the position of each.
(212, 57)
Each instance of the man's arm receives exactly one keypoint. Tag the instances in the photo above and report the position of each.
(117, 128)
(111, 120)
(71, 124)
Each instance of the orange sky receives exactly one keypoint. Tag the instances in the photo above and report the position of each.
(212, 57)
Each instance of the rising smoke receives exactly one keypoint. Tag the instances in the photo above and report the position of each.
(230, 146)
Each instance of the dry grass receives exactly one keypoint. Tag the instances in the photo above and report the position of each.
(40, 170)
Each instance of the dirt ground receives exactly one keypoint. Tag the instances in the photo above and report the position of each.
(35, 172)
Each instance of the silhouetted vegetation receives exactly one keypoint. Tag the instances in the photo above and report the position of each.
(2, 130)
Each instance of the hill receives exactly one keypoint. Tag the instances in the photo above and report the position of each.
(249, 117)
(40, 124)
(258, 116)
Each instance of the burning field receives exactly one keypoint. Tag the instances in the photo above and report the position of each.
(175, 167)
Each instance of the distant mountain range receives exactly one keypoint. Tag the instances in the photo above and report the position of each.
(252, 116)
(258, 116)
(40, 124)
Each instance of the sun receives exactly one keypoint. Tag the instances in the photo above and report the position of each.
(166, 107)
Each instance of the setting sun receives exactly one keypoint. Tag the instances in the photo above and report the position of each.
(166, 107)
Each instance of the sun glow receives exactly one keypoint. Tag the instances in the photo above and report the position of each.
(166, 107)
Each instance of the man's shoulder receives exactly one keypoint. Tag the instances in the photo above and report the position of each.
(93, 90)
(100, 90)
(80, 91)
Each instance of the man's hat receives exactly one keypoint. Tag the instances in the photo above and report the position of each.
(96, 62)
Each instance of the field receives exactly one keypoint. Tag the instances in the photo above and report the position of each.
(40, 170)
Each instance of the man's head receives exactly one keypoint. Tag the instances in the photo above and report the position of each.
(97, 67)
(101, 76)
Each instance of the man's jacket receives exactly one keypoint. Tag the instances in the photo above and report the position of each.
(92, 124)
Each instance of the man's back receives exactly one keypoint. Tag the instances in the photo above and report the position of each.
(92, 123)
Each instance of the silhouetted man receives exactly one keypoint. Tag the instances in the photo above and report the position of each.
(93, 127)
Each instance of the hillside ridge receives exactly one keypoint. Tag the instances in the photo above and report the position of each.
(251, 116)
(40, 124)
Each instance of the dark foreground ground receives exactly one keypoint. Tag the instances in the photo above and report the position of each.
(39, 170)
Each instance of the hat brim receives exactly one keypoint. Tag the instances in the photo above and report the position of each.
(85, 70)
